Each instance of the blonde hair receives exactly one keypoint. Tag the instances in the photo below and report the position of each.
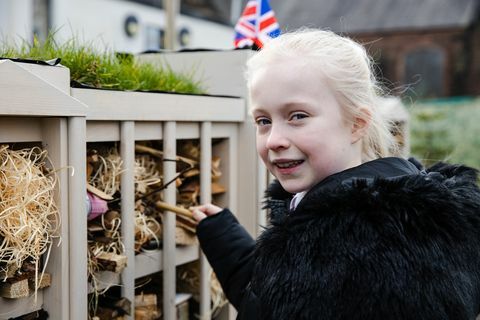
(348, 70)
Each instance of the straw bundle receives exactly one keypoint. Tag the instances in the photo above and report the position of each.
(107, 176)
(146, 173)
(146, 228)
(29, 218)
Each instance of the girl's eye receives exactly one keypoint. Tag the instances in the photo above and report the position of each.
(262, 121)
(298, 116)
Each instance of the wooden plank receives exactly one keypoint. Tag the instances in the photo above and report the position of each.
(55, 141)
(77, 219)
(150, 130)
(43, 99)
(11, 308)
(102, 131)
(169, 257)
(151, 262)
(13, 129)
(188, 130)
(121, 105)
(205, 197)
(127, 181)
(221, 71)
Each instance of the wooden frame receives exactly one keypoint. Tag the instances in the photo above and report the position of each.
(42, 117)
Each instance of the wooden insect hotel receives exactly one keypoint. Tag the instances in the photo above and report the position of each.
(108, 179)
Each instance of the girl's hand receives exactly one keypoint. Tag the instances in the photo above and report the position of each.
(203, 211)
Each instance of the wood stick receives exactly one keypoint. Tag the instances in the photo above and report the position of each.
(112, 262)
(43, 282)
(178, 210)
(159, 154)
(146, 300)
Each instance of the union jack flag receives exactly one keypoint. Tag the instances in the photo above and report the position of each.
(256, 25)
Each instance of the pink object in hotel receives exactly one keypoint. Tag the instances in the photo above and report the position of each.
(97, 206)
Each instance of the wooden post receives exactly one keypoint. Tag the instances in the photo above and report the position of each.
(169, 272)
(127, 152)
(77, 219)
(205, 197)
(55, 140)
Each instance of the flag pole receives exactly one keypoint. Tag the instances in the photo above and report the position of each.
(171, 8)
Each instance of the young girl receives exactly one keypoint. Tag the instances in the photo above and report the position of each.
(354, 234)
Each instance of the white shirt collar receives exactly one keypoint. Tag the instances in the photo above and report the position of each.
(296, 200)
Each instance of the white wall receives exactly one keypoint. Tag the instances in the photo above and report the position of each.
(102, 21)
(16, 20)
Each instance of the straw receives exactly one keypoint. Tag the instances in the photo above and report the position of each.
(29, 218)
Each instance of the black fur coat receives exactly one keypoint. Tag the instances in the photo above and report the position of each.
(384, 240)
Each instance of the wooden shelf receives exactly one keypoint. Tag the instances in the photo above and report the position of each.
(106, 279)
(11, 308)
(152, 262)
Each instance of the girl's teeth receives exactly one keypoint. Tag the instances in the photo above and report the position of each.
(288, 164)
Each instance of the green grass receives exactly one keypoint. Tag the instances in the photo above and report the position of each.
(104, 69)
(447, 131)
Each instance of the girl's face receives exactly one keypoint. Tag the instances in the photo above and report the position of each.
(302, 135)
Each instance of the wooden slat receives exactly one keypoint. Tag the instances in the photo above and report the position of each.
(55, 141)
(145, 106)
(205, 197)
(151, 262)
(127, 181)
(77, 219)
(13, 129)
(103, 131)
(169, 275)
(10, 308)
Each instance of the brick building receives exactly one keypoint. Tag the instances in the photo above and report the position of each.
(424, 48)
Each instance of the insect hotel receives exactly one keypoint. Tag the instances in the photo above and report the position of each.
(96, 186)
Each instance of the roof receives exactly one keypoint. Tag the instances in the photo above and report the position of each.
(360, 16)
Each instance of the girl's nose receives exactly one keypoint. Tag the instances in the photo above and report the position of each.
(277, 139)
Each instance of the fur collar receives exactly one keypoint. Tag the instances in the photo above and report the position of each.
(377, 185)
(405, 233)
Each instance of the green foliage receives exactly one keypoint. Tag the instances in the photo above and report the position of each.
(447, 132)
(104, 69)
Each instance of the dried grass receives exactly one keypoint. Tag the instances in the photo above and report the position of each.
(107, 176)
(29, 218)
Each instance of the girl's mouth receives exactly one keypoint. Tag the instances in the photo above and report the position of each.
(288, 164)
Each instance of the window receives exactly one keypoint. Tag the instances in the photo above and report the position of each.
(425, 72)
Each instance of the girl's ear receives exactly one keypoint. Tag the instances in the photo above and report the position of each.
(360, 125)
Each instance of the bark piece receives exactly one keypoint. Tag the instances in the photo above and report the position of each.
(43, 281)
(146, 300)
(14, 289)
(112, 262)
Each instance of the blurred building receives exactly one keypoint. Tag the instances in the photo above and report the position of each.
(129, 26)
(430, 48)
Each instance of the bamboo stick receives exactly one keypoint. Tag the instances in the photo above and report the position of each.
(159, 154)
(178, 210)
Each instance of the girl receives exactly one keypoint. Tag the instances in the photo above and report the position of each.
(354, 234)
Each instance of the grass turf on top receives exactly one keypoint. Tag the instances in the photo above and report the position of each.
(105, 69)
